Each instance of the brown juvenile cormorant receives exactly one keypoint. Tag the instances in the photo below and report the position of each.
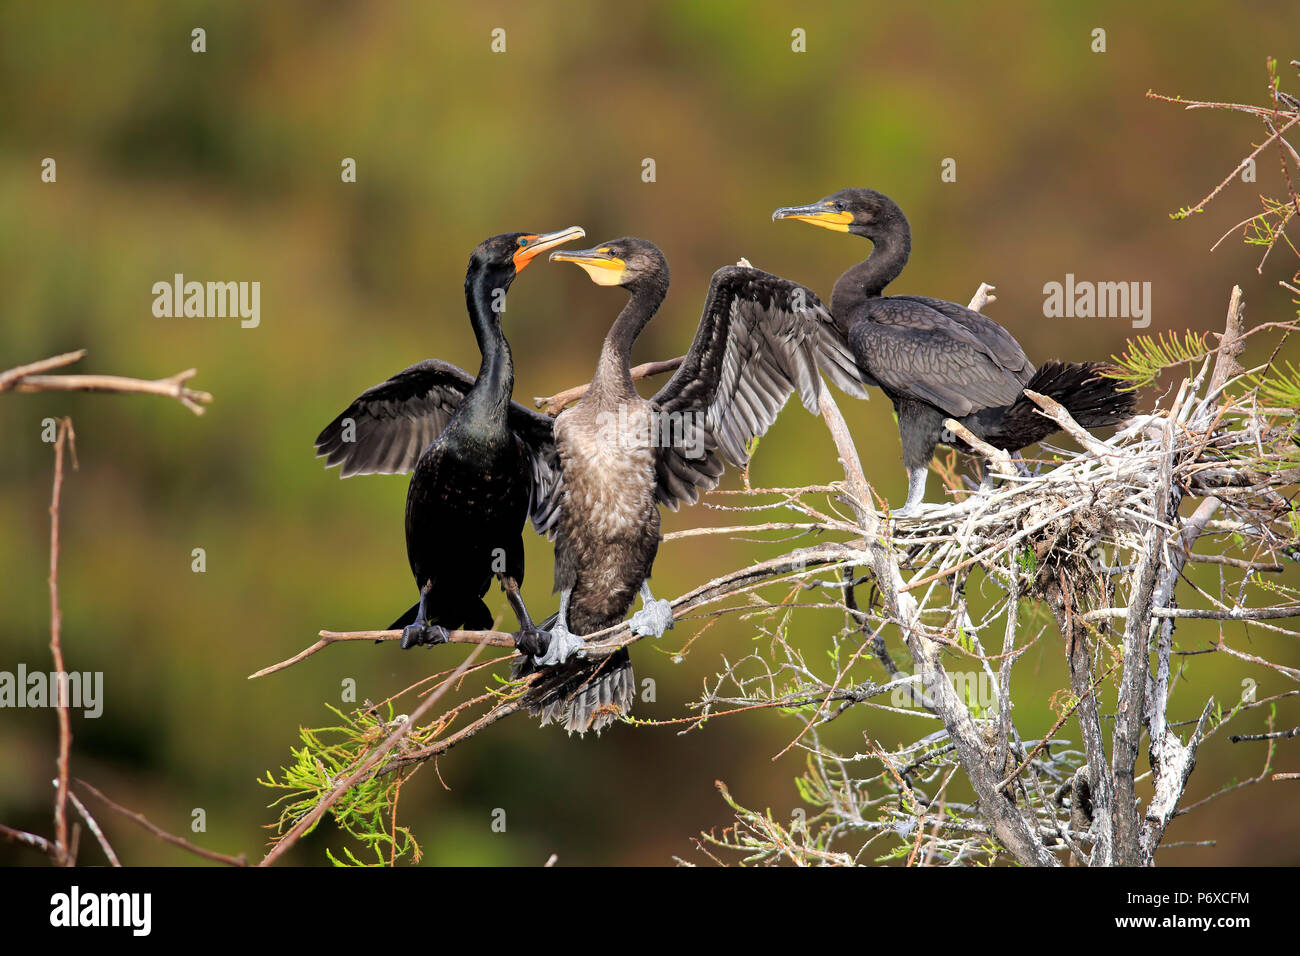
(936, 359)
(622, 456)
(482, 463)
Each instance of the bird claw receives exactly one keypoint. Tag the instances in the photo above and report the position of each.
(531, 642)
(653, 619)
(562, 645)
(423, 635)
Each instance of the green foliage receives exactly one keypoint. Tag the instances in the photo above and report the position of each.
(365, 812)
(1280, 385)
(1266, 228)
(768, 840)
(1146, 357)
(1278, 388)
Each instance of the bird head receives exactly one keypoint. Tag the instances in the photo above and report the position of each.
(863, 212)
(507, 255)
(628, 262)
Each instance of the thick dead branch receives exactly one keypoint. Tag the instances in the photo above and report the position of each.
(996, 457)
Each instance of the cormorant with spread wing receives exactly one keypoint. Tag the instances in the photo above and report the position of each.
(936, 359)
(622, 456)
(482, 464)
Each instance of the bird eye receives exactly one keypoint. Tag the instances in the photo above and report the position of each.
(522, 242)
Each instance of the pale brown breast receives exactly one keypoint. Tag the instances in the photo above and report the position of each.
(608, 530)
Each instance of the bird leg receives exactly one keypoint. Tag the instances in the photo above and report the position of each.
(655, 616)
(562, 643)
(528, 639)
(919, 427)
(421, 633)
(915, 492)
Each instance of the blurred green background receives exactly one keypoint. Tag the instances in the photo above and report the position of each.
(225, 166)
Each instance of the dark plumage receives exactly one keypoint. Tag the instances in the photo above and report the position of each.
(622, 455)
(481, 464)
(936, 359)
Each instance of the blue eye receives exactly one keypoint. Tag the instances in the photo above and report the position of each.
(522, 242)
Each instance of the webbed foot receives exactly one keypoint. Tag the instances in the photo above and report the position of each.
(423, 635)
(653, 619)
(562, 645)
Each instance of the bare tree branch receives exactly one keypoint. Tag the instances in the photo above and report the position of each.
(27, 378)
(66, 438)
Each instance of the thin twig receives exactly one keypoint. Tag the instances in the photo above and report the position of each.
(141, 820)
(93, 826)
(66, 438)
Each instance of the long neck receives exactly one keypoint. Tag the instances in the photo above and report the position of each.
(496, 372)
(868, 278)
(613, 377)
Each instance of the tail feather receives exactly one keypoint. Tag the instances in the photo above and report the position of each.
(581, 695)
(1092, 399)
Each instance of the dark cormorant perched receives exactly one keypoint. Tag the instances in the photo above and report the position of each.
(622, 456)
(936, 359)
(482, 463)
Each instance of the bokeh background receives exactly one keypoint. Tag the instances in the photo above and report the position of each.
(226, 166)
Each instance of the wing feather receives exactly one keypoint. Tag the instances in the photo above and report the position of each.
(952, 358)
(388, 427)
(755, 345)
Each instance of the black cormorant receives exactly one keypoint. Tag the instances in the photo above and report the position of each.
(482, 463)
(936, 359)
(622, 456)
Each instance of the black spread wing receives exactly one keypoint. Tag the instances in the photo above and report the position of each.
(386, 429)
(939, 352)
(754, 346)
